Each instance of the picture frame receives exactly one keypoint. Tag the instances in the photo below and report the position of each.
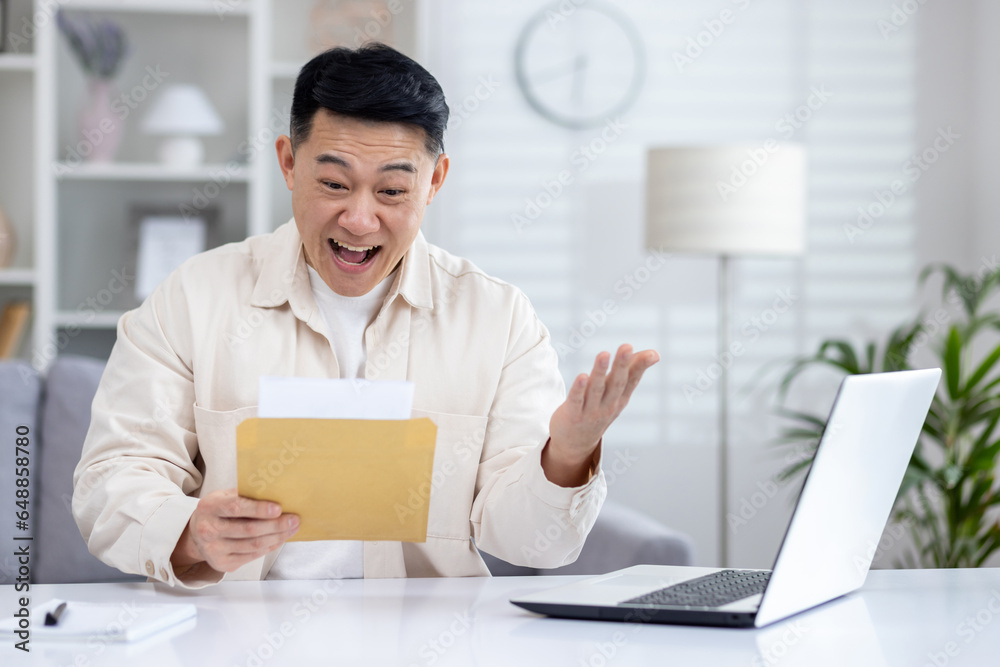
(162, 238)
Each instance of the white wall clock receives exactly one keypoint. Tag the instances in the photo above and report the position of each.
(580, 64)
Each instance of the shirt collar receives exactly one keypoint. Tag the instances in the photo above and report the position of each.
(284, 275)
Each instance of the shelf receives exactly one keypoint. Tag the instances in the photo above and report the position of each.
(107, 319)
(141, 171)
(17, 277)
(288, 69)
(78, 216)
(220, 8)
(17, 62)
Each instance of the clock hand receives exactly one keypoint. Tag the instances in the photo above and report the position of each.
(579, 65)
(556, 71)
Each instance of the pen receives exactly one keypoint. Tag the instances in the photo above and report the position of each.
(52, 617)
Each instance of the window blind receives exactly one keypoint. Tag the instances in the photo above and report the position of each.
(820, 73)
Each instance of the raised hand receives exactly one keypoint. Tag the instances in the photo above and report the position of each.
(593, 403)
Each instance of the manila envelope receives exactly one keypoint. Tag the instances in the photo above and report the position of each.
(347, 479)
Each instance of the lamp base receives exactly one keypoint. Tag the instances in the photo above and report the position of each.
(181, 152)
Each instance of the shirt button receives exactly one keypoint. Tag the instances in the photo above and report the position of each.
(164, 574)
(150, 568)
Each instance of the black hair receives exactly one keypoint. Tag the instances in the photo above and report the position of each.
(374, 82)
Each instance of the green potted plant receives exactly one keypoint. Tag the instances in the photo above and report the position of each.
(949, 498)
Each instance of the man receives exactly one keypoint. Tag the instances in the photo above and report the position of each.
(349, 288)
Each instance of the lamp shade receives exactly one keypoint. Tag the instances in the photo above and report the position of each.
(181, 109)
(728, 200)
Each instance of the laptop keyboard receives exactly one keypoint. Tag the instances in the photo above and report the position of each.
(713, 590)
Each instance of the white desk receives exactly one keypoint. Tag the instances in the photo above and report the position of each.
(904, 618)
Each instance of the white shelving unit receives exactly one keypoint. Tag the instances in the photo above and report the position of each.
(75, 220)
(17, 62)
(86, 211)
(17, 277)
(17, 134)
(138, 171)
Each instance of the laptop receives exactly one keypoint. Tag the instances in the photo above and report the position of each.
(830, 542)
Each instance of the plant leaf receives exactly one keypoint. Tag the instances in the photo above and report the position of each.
(983, 368)
(952, 363)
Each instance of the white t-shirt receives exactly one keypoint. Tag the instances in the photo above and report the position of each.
(346, 318)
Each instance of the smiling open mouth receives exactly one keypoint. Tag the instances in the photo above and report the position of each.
(356, 255)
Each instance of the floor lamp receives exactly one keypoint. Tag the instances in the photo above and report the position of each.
(729, 201)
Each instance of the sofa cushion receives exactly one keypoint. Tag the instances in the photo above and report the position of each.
(20, 392)
(621, 537)
(624, 537)
(62, 552)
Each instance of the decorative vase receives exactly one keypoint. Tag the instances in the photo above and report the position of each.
(100, 128)
(350, 23)
(8, 242)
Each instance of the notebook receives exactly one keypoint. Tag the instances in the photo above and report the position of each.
(108, 621)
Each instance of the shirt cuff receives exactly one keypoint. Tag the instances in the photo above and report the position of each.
(160, 534)
(572, 498)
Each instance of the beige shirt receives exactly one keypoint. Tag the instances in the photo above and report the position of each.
(184, 371)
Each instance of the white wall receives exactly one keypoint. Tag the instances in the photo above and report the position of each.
(985, 119)
(945, 84)
(958, 198)
(671, 474)
(957, 220)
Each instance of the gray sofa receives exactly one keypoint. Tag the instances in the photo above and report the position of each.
(56, 410)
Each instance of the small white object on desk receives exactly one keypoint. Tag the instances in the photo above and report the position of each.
(110, 622)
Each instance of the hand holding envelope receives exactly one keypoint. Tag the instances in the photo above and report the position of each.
(342, 455)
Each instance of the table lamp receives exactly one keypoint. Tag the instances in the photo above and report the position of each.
(181, 113)
(729, 201)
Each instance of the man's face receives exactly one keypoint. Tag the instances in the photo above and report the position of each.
(359, 190)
